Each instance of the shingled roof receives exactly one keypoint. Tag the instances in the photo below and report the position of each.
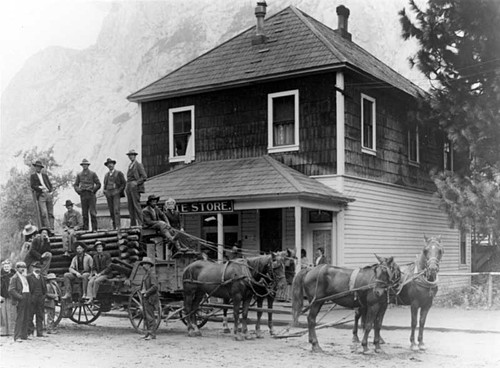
(297, 44)
(250, 178)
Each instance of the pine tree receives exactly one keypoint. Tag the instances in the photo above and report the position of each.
(460, 56)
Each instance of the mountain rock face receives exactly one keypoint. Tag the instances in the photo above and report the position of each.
(75, 100)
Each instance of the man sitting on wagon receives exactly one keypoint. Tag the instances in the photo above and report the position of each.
(80, 268)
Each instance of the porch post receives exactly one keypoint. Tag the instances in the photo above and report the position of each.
(339, 223)
(340, 124)
(298, 236)
(220, 237)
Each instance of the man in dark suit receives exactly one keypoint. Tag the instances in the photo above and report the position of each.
(114, 189)
(86, 185)
(101, 267)
(40, 251)
(320, 257)
(19, 290)
(149, 291)
(42, 187)
(153, 218)
(136, 176)
(38, 289)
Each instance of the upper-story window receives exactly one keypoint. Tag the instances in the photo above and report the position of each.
(283, 121)
(447, 155)
(368, 125)
(413, 146)
(181, 134)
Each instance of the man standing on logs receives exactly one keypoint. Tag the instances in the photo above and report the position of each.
(72, 221)
(114, 189)
(86, 185)
(136, 176)
(42, 187)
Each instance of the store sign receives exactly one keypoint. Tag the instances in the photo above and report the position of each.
(206, 207)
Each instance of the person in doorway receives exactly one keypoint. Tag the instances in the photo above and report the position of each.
(136, 176)
(86, 185)
(114, 189)
(19, 290)
(149, 291)
(320, 257)
(72, 222)
(100, 270)
(40, 184)
(38, 289)
(79, 269)
(40, 252)
(304, 261)
(7, 309)
(51, 297)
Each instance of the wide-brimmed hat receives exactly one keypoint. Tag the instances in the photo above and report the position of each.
(20, 264)
(152, 197)
(147, 260)
(29, 229)
(36, 264)
(49, 232)
(38, 163)
(7, 261)
(80, 244)
(132, 152)
(99, 243)
(109, 161)
(85, 162)
(51, 276)
(68, 203)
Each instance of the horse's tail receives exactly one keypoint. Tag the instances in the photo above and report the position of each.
(298, 295)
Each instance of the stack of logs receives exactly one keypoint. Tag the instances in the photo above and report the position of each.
(124, 247)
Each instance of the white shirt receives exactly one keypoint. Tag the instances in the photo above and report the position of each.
(26, 286)
(42, 184)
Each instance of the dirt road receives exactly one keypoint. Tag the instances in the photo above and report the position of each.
(111, 343)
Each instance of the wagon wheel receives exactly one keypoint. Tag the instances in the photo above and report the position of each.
(58, 312)
(202, 315)
(136, 312)
(83, 314)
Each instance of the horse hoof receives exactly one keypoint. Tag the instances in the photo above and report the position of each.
(249, 337)
(238, 338)
(259, 334)
(381, 341)
(366, 350)
(378, 350)
(422, 347)
(317, 349)
(191, 333)
(271, 332)
(414, 347)
(355, 339)
(227, 330)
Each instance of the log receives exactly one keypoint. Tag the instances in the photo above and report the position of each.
(122, 263)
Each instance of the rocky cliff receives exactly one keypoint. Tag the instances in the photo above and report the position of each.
(76, 99)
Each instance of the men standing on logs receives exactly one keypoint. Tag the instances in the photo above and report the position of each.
(86, 185)
(42, 187)
(114, 189)
(72, 221)
(136, 176)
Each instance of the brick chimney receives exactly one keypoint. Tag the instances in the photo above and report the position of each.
(343, 16)
(260, 13)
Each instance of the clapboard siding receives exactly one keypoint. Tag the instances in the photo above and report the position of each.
(392, 221)
(249, 231)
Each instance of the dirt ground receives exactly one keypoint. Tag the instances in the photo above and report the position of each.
(111, 342)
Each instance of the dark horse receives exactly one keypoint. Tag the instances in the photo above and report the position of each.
(235, 280)
(365, 287)
(418, 286)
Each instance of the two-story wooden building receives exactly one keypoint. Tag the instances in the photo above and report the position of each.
(290, 135)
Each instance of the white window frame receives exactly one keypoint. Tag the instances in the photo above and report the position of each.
(369, 150)
(292, 147)
(417, 138)
(189, 156)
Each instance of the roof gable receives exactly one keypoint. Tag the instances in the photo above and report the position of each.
(297, 44)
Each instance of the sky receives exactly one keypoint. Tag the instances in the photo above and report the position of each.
(29, 26)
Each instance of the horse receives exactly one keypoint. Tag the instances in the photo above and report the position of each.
(234, 280)
(417, 287)
(360, 288)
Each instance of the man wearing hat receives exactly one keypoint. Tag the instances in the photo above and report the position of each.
(72, 221)
(38, 289)
(40, 252)
(153, 218)
(50, 302)
(29, 232)
(19, 290)
(149, 291)
(114, 189)
(136, 176)
(86, 185)
(42, 187)
(101, 267)
(80, 268)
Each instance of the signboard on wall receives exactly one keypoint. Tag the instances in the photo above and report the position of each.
(206, 207)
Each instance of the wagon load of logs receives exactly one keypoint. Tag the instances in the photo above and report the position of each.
(124, 247)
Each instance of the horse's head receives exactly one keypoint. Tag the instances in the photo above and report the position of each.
(276, 266)
(431, 257)
(387, 273)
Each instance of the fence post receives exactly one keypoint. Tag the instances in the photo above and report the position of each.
(490, 290)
